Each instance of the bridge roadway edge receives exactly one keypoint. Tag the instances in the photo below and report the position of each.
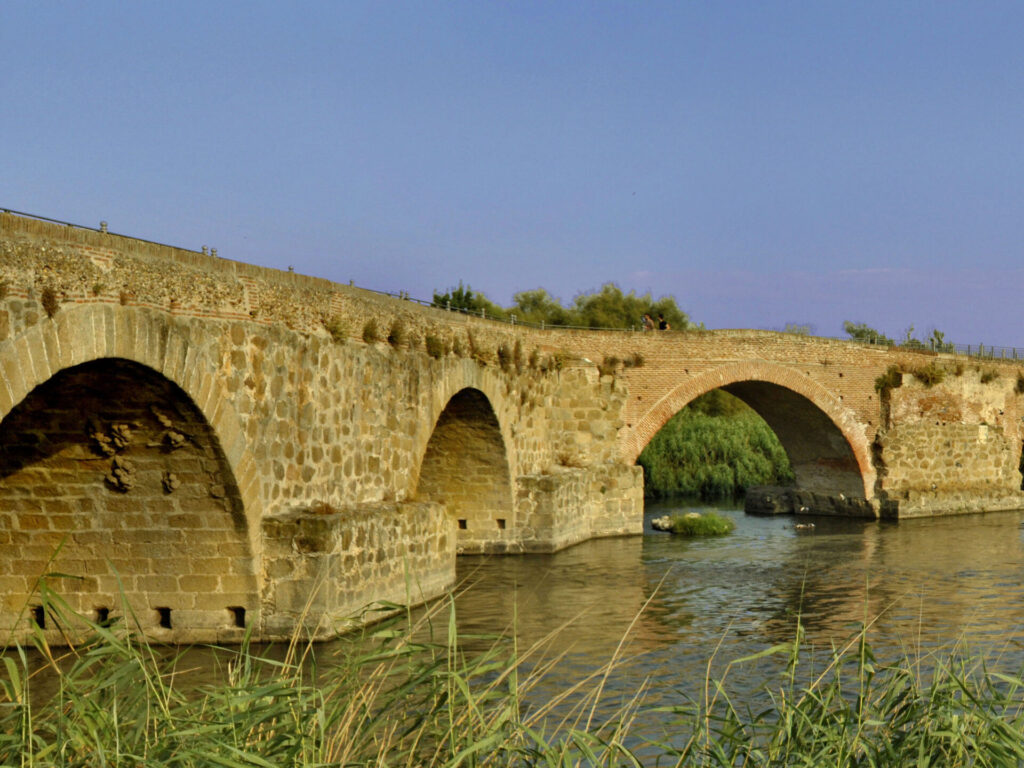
(321, 444)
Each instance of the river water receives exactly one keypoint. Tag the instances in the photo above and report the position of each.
(676, 604)
(675, 610)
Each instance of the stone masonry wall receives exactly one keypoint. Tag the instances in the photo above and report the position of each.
(310, 414)
(325, 569)
(573, 505)
(953, 447)
(306, 418)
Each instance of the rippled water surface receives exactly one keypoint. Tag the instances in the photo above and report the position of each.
(666, 605)
(921, 584)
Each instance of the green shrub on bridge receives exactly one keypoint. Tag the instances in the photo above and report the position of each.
(891, 379)
(337, 329)
(397, 335)
(607, 307)
(371, 331)
(435, 347)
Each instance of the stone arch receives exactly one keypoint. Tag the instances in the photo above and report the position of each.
(161, 350)
(109, 473)
(84, 333)
(454, 378)
(1020, 465)
(828, 450)
(465, 467)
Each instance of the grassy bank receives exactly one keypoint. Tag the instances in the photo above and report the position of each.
(393, 700)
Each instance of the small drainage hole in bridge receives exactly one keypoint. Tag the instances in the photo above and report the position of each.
(165, 617)
(103, 616)
(237, 616)
(462, 525)
(501, 523)
(39, 616)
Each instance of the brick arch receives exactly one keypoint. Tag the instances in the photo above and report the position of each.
(777, 393)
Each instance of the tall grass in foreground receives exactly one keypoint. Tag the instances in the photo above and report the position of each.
(388, 700)
(941, 710)
(392, 700)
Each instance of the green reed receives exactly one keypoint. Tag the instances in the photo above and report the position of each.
(942, 709)
(415, 693)
(389, 699)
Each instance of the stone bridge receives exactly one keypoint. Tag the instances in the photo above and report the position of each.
(202, 447)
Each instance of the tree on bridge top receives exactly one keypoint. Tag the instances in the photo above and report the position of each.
(538, 306)
(609, 307)
(864, 332)
(465, 299)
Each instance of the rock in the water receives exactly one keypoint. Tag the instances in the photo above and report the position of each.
(663, 523)
(774, 500)
(768, 500)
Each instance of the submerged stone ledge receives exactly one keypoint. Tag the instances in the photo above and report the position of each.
(776, 500)
(944, 503)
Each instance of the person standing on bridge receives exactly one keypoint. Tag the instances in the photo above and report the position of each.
(647, 322)
(662, 323)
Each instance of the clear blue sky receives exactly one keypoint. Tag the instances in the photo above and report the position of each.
(765, 163)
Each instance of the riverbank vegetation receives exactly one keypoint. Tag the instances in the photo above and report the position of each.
(715, 448)
(400, 696)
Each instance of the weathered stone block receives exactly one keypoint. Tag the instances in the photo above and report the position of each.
(768, 500)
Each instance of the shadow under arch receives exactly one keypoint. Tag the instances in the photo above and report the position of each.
(154, 339)
(826, 447)
(465, 467)
(1020, 465)
(114, 463)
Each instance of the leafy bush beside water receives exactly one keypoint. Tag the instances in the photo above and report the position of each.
(706, 524)
(695, 524)
(714, 448)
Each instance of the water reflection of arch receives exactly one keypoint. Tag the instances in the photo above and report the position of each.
(826, 446)
(581, 600)
(931, 581)
(467, 461)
